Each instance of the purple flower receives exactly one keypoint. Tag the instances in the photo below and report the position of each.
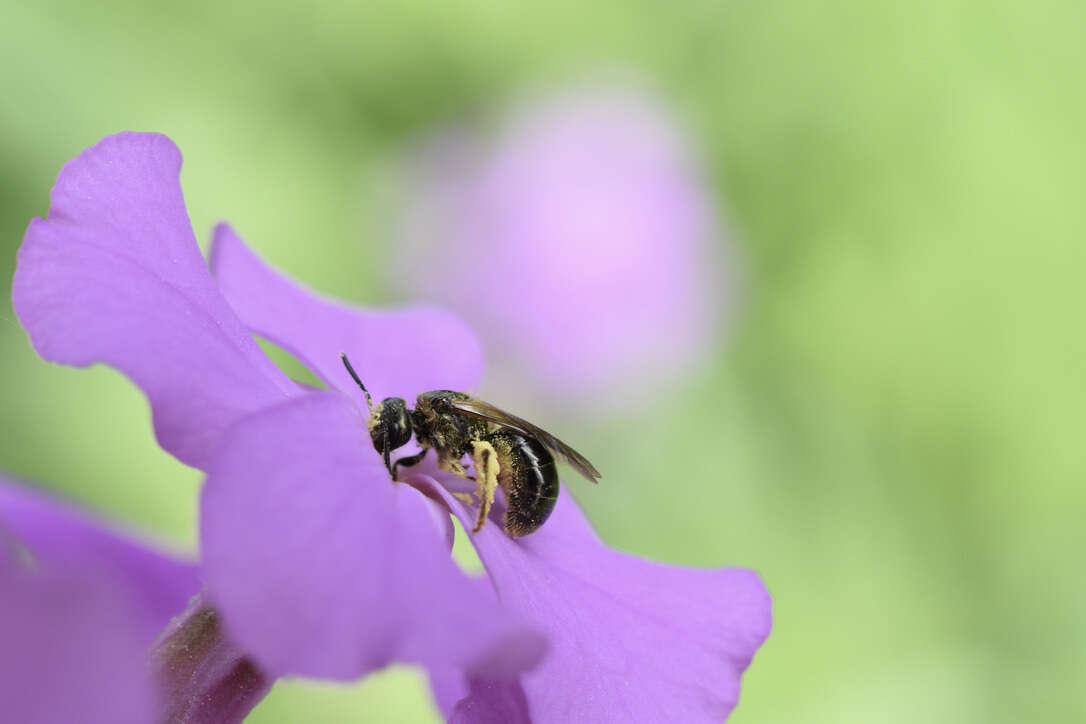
(632, 640)
(79, 609)
(580, 239)
(317, 562)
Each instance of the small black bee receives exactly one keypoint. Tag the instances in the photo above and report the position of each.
(507, 451)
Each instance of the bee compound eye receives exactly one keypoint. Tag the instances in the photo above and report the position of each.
(400, 433)
(395, 422)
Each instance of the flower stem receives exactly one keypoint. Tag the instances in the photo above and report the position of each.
(204, 678)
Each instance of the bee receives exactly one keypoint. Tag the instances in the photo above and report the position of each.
(507, 452)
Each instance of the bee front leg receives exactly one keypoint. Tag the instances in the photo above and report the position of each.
(407, 462)
(486, 478)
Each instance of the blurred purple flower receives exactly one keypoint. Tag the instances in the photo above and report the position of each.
(79, 609)
(581, 240)
(318, 564)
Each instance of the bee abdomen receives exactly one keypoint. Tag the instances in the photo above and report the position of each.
(529, 478)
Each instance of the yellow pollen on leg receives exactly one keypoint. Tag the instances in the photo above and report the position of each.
(485, 458)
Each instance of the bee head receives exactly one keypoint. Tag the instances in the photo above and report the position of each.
(390, 424)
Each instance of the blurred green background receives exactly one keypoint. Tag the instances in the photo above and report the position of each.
(892, 436)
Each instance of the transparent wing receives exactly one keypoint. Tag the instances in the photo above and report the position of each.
(486, 411)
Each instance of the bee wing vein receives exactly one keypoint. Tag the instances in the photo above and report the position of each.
(486, 411)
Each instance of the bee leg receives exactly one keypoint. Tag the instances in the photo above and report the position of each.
(407, 462)
(451, 465)
(486, 478)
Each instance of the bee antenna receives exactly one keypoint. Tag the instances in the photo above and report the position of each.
(358, 381)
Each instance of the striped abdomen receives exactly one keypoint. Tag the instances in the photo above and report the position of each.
(529, 478)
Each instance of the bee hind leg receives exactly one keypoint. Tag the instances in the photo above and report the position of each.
(485, 458)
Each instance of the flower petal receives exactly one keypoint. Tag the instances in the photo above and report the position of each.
(494, 702)
(397, 353)
(114, 275)
(70, 653)
(322, 566)
(54, 534)
(79, 608)
(447, 686)
(631, 640)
